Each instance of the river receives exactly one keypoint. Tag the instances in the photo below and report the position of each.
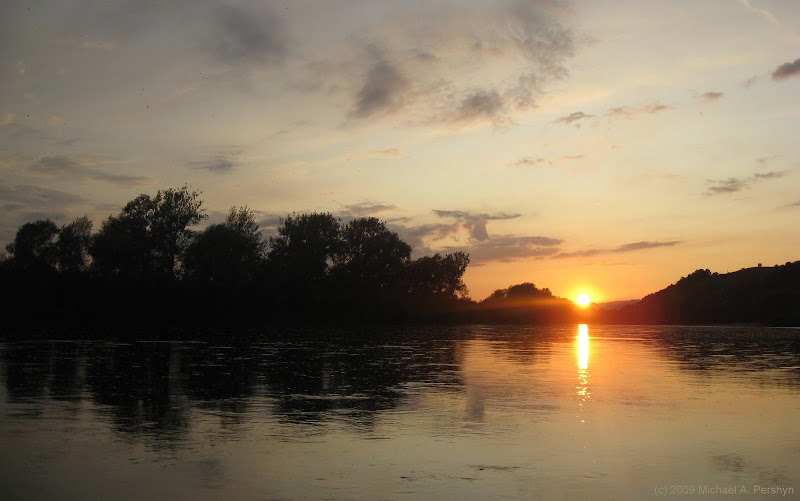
(574, 412)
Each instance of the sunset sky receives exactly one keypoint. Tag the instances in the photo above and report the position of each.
(609, 147)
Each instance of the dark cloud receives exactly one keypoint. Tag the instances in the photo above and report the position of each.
(68, 168)
(416, 236)
(247, 35)
(631, 112)
(735, 184)
(635, 246)
(221, 163)
(475, 224)
(25, 203)
(479, 105)
(573, 118)
(508, 248)
(787, 70)
(711, 96)
(382, 90)
(795, 204)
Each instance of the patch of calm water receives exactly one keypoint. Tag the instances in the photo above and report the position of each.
(456, 413)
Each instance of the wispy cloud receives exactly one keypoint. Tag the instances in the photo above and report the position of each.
(363, 155)
(219, 163)
(735, 184)
(508, 248)
(530, 161)
(573, 118)
(84, 169)
(366, 209)
(634, 246)
(630, 112)
(761, 12)
(711, 96)
(25, 203)
(786, 70)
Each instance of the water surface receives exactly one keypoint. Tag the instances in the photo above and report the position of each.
(595, 412)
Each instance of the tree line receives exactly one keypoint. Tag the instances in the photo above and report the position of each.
(150, 260)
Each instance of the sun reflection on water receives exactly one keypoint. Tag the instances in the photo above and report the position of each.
(582, 347)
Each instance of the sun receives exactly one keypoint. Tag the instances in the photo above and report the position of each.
(583, 299)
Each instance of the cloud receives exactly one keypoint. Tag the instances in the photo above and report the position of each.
(573, 118)
(735, 184)
(475, 224)
(508, 248)
(363, 155)
(761, 12)
(530, 161)
(30, 96)
(68, 168)
(455, 66)
(26, 203)
(417, 236)
(479, 105)
(794, 204)
(787, 70)
(634, 246)
(711, 96)
(247, 36)
(366, 209)
(221, 163)
(382, 89)
(631, 112)
(749, 82)
(7, 119)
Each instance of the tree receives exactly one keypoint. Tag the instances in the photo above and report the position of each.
(174, 210)
(123, 246)
(521, 293)
(149, 234)
(73, 245)
(371, 255)
(305, 247)
(34, 246)
(438, 275)
(230, 252)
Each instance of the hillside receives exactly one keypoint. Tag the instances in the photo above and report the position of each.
(768, 295)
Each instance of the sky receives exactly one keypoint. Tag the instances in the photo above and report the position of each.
(607, 147)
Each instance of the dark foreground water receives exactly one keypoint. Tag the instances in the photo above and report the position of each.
(467, 413)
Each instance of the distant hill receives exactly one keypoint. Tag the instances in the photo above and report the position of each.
(615, 305)
(764, 295)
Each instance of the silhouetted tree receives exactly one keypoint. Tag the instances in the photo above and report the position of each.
(371, 256)
(306, 245)
(518, 293)
(149, 233)
(123, 245)
(73, 245)
(174, 210)
(34, 246)
(438, 275)
(228, 253)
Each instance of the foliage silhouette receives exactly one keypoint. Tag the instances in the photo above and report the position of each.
(35, 247)
(146, 266)
(230, 253)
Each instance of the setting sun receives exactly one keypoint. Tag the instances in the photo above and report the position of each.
(583, 299)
